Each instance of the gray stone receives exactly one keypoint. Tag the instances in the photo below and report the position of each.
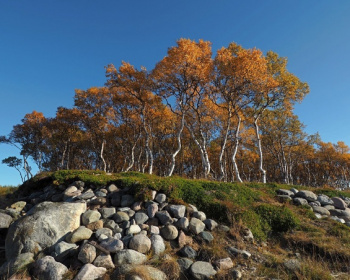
(340, 213)
(134, 229)
(5, 220)
(15, 264)
(169, 232)
(104, 261)
(300, 201)
(224, 264)
(105, 231)
(315, 204)
(116, 198)
(48, 268)
(140, 218)
(206, 236)
(236, 252)
(283, 198)
(196, 226)
(86, 195)
(329, 207)
(90, 216)
(187, 252)
(157, 244)
(18, 206)
(81, 233)
(148, 272)
(110, 224)
(112, 245)
(339, 203)
(285, 192)
(182, 223)
(335, 218)
(128, 256)
(140, 243)
(292, 265)
(24, 236)
(199, 215)
(184, 263)
(202, 270)
(90, 272)
(121, 216)
(321, 210)
(152, 209)
(127, 200)
(112, 188)
(107, 212)
(308, 195)
(87, 253)
(100, 194)
(160, 198)
(324, 200)
(63, 247)
(236, 274)
(164, 217)
(210, 224)
(177, 211)
(137, 206)
(153, 230)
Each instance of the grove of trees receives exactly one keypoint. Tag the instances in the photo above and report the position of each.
(227, 117)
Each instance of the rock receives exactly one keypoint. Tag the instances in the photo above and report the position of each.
(140, 218)
(100, 194)
(23, 235)
(121, 216)
(81, 233)
(184, 264)
(164, 217)
(139, 272)
(202, 270)
(300, 201)
(206, 236)
(103, 231)
(157, 244)
(187, 252)
(5, 220)
(224, 264)
(104, 261)
(16, 264)
(90, 272)
(329, 207)
(140, 243)
(292, 265)
(182, 223)
(321, 210)
(223, 228)
(18, 206)
(236, 252)
(315, 203)
(112, 188)
(107, 212)
(169, 232)
(177, 211)
(78, 184)
(308, 195)
(199, 215)
(183, 239)
(324, 200)
(283, 198)
(137, 206)
(86, 195)
(153, 230)
(87, 253)
(48, 268)
(236, 274)
(128, 256)
(248, 235)
(127, 200)
(339, 203)
(63, 247)
(116, 198)
(210, 224)
(134, 229)
(340, 213)
(112, 245)
(99, 201)
(338, 219)
(196, 226)
(95, 225)
(90, 216)
(285, 192)
(160, 198)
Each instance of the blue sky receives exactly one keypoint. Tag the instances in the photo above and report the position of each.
(49, 48)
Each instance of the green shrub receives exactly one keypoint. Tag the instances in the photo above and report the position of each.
(279, 218)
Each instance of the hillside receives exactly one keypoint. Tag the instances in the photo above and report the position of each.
(261, 230)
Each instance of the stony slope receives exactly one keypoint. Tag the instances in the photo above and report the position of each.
(71, 224)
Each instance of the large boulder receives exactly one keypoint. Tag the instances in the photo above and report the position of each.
(44, 225)
(308, 195)
(5, 220)
(48, 268)
(18, 263)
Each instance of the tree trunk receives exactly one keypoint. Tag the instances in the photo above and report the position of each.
(262, 170)
(132, 160)
(223, 147)
(101, 155)
(235, 150)
(178, 139)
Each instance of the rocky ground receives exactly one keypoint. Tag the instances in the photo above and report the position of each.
(80, 231)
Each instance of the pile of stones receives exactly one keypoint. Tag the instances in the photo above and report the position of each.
(336, 208)
(98, 231)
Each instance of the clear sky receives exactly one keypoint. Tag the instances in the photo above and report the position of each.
(49, 48)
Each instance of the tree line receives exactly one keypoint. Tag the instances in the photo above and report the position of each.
(227, 117)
